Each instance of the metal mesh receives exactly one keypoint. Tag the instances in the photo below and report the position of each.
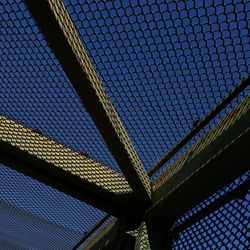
(204, 131)
(201, 145)
(34, 215)
(73, 39)
(61, 157)
(165, 65)
(142, 242)
(35, 91)
(226, 227)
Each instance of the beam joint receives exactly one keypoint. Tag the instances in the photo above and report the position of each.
(62, 36)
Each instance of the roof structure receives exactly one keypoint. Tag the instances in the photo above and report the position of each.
(124, 124)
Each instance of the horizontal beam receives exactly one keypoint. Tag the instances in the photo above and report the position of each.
(62, 36)
(216, 160)
(62, 168)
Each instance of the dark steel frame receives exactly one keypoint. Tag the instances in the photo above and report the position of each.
(200, 126)
(62, 180)
(222, 161)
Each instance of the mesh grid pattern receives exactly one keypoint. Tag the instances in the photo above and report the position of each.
(35, 91)
(33, 213)
(204, 131)
(224, 123)
(225, 228)
(70, 33)
(142, 241)
(61, 157)
(164, 64)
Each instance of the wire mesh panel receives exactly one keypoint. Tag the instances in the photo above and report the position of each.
(61, 157)
(225, 226)
(35, 91)
(164, 64)
(36, 216)
(204, 131)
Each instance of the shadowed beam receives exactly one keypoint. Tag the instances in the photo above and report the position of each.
(60, 167)
(91, 231)
(201, 124)
(112, 236)
(61, 34)
(217, 159)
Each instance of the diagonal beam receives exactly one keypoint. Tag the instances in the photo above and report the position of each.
(217, 159)
(112, 236)
(200, 125)
(62, 168)
(61, 34)
(91, 231)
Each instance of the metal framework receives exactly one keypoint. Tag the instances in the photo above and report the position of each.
(63, 38)
(206, 168)
(145, 212)
(60, 167)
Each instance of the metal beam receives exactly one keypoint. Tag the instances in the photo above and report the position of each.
(216, 160)
(62, 168)
(107, 236)
(200, 126)
(158, 237)
(237, 193)
(61, 34)
(91, 231)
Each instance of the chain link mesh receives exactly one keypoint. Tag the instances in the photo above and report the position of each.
(61, 157)
(165, 65)
(36, 216)
(36, 92)
(227, 227)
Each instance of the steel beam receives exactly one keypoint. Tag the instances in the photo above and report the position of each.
(200, 126)
(107, 236)
(238, 193)
(91, 231)
(216, 160)
(61, 34)
(62, 168)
